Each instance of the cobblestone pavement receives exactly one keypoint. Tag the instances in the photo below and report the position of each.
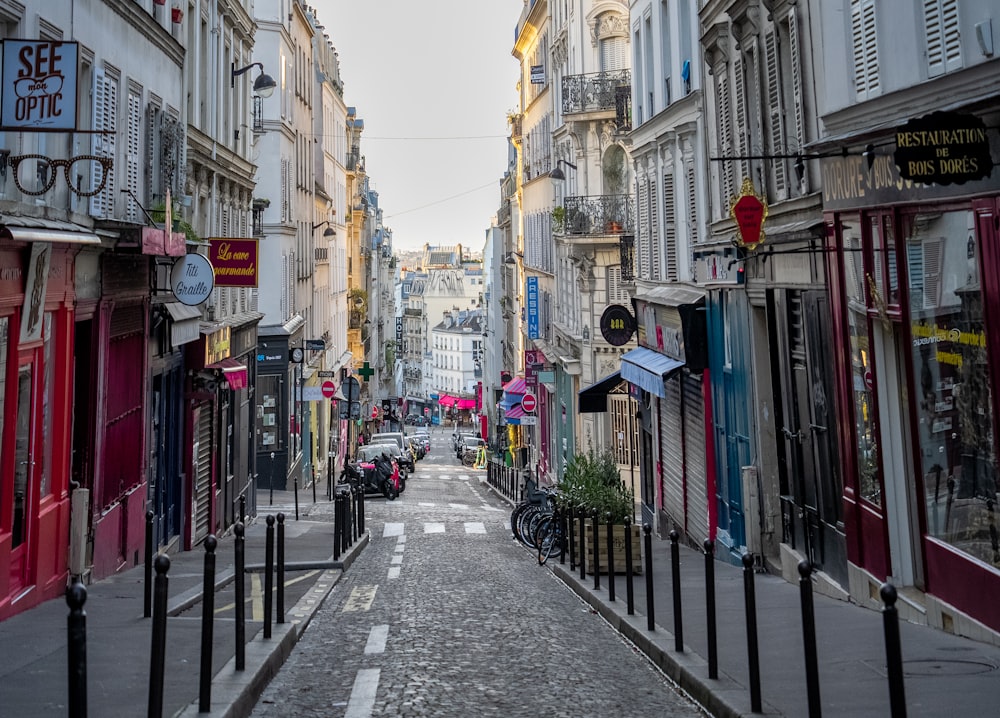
(444, 615)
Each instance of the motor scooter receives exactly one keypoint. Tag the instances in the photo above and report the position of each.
(370, 478)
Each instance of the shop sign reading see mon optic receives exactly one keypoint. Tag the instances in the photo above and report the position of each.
(943, 148)
(192, 279)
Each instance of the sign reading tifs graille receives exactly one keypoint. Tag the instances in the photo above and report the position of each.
(943, 148)
(192, 279)
(39, 85)
(749, 210)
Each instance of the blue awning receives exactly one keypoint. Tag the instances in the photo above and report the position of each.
(648, 369)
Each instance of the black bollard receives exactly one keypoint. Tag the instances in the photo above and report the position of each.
(596, 544)
(648, 546)
(713, 644)
(268, 574)
(561, 513)
(675, 579)
(240, 588)
(893, 651)
(610, 540)
(750, 606)
(207, 626)
(629, 591)
(158, 653)
(281, 568)
(809, 638)
(295, 489)
(147, 604)
(243, 509)
(583, 545)
(572, 543)
(354, 516)
(76, 634)
(314, 484)
(361, 511)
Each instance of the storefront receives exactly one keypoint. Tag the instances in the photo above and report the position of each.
(916, 311)
(279, 404)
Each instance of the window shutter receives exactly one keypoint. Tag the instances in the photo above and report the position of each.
(725, 144)
(656, 271)
(284, 287)
(795, 61)
(866, 80)
(285, 200)
(645, 257)
(944, 50)
(776, 119)
(133, 149)
(692, 201)
(669, 228)
(740, 99)
(613, 54)
(103, 145)
(932, 261)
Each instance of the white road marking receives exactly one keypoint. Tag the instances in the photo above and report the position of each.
(458, 506)
(392, 529)
(475, 527)
(394, 572)
(433, 528)
(363, 692)
(426, 503)
(361, 599)
(376, 639)
(400, 547)
(396, 560)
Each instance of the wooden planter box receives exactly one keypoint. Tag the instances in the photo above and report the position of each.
(617, 539)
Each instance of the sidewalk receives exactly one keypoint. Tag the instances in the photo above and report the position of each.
(33, 664)
(944, 675)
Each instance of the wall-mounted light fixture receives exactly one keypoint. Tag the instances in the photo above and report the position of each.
(329, 231)
(264, 84)
(510, 257)
(556, 173)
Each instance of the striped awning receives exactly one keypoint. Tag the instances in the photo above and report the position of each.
(514, 414)
(517, 385)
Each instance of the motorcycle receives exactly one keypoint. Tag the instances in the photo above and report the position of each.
(371, 477)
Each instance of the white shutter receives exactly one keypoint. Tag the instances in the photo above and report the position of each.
(103, 145)
(669, 228)
(133, 149)
(741, 129)
(931, 271)
(795, 61)
(645, 251)
(617, 294)
(692, 201)
(284, 288)
(866, 80)
(613, 54)
(944, 50)
(285, 199)
(776, 113)
(655, 251)
(725, 144)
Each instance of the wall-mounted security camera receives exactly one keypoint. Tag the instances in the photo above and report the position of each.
(984, 36)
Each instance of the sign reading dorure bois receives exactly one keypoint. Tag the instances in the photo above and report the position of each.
(39, 85)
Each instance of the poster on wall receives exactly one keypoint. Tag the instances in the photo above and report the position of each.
(33, 309)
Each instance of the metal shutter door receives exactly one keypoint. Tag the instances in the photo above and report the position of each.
(672, 452)
(694, 455)
(202, 509)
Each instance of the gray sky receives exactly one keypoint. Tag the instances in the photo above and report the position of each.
(421, 70)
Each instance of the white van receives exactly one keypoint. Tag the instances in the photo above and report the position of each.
(395, 437)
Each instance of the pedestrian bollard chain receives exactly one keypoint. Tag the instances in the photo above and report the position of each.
(713, 644)
(809, 638)
(76, 644)
(647, 545)
(147, 596)
(240, 588)
(281, 568)
(750, 607)
(893, 651)
(610, 541)
(629, 591)
(675, 579)
(158, 644)
(207, 626)
(268, 574)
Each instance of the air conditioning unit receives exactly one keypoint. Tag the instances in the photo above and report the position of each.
(79, 530)
(751, 509)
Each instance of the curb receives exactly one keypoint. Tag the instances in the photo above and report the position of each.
(235, 693)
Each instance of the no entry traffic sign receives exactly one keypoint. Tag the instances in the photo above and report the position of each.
(528, 402)
(329, 389)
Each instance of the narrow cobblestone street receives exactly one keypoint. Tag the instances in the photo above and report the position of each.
(444, 615)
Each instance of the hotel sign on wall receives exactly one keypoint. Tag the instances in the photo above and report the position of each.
(943, 148)
(235, 262)
(749, 210)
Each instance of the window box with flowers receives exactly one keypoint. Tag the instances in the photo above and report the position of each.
(177, 14)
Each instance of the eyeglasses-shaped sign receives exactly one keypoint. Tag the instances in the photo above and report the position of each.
(86, 175)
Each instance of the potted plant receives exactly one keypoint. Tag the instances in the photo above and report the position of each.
(592, 482)
(176, 14)
(558, 219)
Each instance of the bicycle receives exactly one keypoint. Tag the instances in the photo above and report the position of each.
(525, 517)
(550, 536)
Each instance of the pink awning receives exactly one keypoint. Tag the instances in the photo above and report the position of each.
(466, 403)
(515, 412)
(232, 371)
(446, 400)
(517, 385)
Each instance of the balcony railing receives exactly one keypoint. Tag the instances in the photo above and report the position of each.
(503, 214)
(626, 251)
(595, 91)
(601, 214)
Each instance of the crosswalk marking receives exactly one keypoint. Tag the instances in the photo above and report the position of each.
(433, 528)
(458, 506)
(363, 692)
(392, 529)
(396, 559)
(377, 638)
(475, 527)
(394, 571)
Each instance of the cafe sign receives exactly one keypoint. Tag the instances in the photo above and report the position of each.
(749, 210)
(235, 262)
(943, 148)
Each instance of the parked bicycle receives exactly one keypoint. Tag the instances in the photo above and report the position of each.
(527, 515)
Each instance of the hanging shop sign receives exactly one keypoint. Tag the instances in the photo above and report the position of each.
(39, 85)
(192, 279)
(749, 210)
(531, 290)
(235, 262)
(943, 148)
(617, 325)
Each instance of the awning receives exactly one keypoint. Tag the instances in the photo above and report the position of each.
(232, 371)
(648, 369)
(33, 229)
(185, 325)
(447, 400)
(517, 385)
(466, 404)
(594, 398)
(514, 414)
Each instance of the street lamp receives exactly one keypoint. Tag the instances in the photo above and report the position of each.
(556, 173)
(264, 84)
(329, 231)
(510, 257)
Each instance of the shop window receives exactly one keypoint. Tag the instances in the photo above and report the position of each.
(950, 364)
(269, 434)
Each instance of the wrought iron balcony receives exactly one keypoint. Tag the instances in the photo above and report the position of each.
(597, 215)
(596, 92)
(626, 250)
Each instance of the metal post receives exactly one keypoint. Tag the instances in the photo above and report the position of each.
(713, 645)
(675, 579)
(281, 568)
(271, 482)
(76, 634)
(561, 518)
(583, 545)
(240, 588)
(610, 540)
(314, 483)
(572, 538)
(809, 638)
(629, 594)
(296, 494)
(647, 530)
(147, 604)
(750, 606)
(596, 545)
(207, 626)
(268, 574)
(159, 640)
(243, 508)
(337, 525)
(893, 651)
(361, 512)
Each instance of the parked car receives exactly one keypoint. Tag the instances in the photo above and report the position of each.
(470, 448)
(401, 456)
(460, 443)
(424, 439)
(416, 446)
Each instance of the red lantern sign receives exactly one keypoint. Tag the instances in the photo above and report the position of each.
(749, 210)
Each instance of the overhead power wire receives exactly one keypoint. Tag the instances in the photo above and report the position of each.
(446, 199)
